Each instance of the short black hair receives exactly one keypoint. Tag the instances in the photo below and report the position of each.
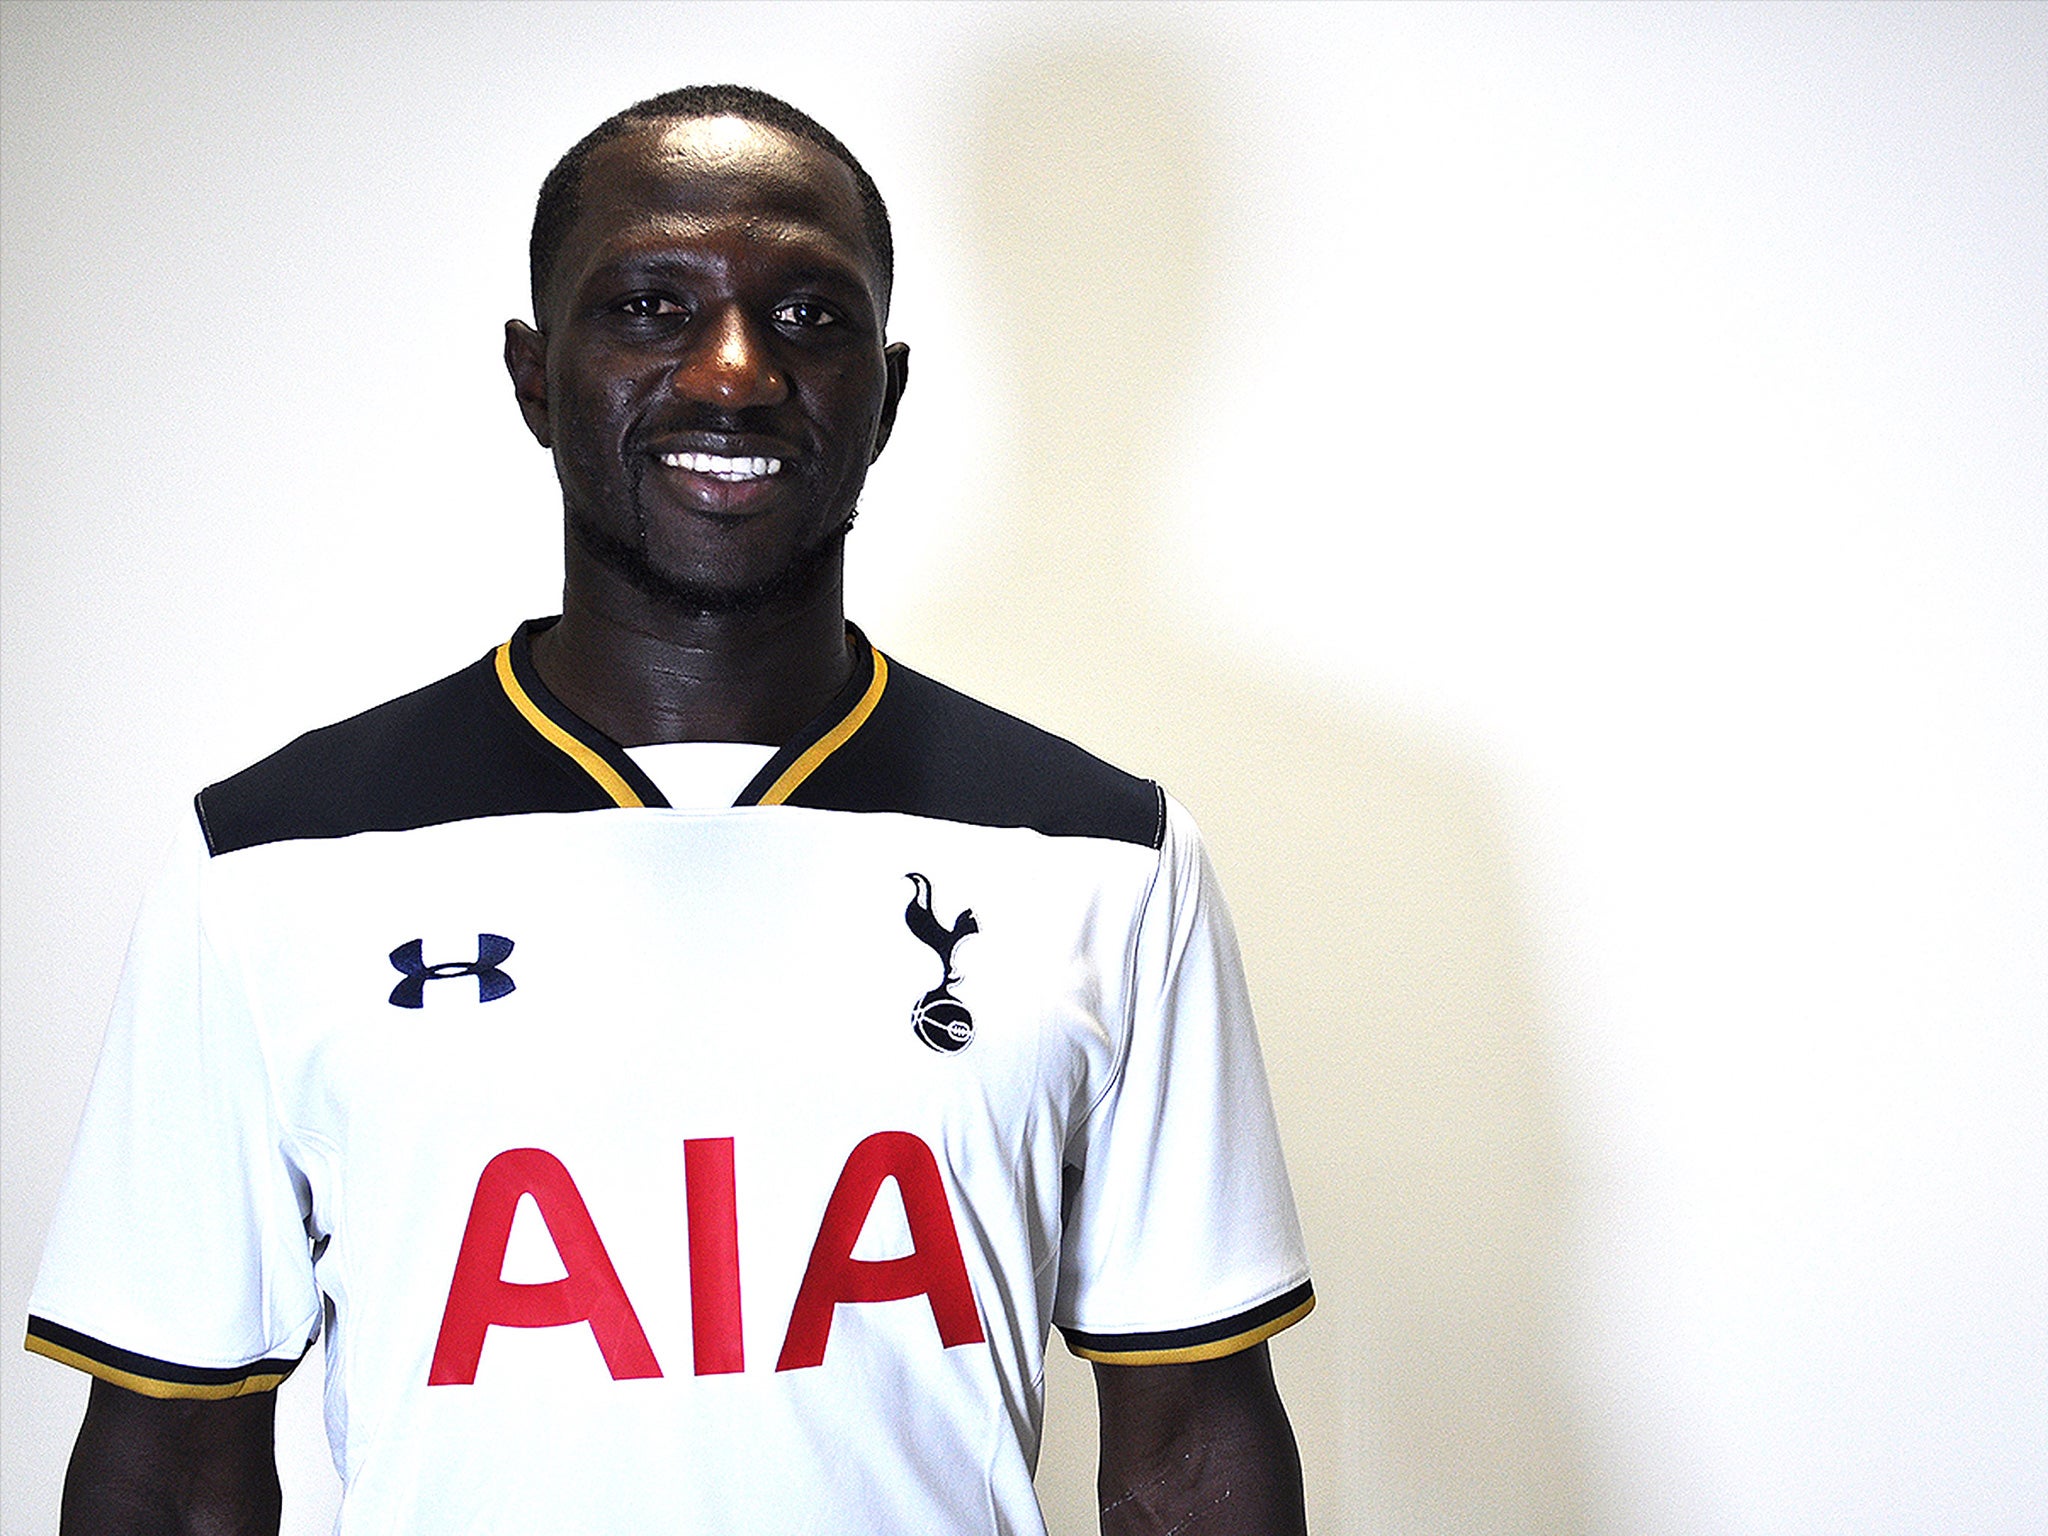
(559, 204)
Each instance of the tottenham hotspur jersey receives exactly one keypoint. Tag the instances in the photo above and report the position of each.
(674, 1170)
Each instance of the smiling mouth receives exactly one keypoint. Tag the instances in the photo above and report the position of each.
(720, 467)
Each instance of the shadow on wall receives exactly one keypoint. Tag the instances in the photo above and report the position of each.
(1365, 863)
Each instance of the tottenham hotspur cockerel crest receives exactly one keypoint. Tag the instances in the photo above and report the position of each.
(940, 1019)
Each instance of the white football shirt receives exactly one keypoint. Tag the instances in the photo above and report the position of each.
(692, 1170)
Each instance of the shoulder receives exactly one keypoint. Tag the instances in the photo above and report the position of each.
(490, 740)
(930, 750)
(450, 751)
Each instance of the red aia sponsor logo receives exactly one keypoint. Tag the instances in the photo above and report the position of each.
(590, 1292)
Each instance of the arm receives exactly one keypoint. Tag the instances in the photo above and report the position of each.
(1197, 1450)
(146, 1466)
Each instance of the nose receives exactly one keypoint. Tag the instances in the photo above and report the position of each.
(728, 364)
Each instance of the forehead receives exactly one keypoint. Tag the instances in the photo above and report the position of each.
(680, 183)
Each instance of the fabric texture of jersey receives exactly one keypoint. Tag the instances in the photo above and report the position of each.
(622, 1150)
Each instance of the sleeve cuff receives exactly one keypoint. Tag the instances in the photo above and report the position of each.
(1208, 1341)
(151, 1377)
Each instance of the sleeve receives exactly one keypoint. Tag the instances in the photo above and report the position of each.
(1180, 1241)
(178, 1263)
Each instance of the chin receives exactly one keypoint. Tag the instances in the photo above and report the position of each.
(803, 573)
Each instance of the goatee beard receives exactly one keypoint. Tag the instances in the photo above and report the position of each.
(628, 557)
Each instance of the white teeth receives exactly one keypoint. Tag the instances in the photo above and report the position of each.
(719, 467)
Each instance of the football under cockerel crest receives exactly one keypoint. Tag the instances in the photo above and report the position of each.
(940, 1019)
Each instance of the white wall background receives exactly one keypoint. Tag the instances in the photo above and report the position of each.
(1563, 493)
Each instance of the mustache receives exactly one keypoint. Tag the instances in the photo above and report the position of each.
(703, 418)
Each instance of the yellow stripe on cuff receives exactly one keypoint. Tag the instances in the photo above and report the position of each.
(1215, 1349)
(150, 1386)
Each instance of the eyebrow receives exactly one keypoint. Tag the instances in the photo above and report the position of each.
(822, 265)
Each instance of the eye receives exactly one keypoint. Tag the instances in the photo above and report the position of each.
(645, 306)
(805, 315)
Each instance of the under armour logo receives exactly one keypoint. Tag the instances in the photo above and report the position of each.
(491, 983)
(940, 1019)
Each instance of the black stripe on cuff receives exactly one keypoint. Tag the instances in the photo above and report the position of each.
(1197, 1342)
(113, 1362)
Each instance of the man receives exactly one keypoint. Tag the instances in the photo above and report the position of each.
(685, 1061)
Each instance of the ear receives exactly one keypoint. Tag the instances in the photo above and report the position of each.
(526, 359)
(896, 359)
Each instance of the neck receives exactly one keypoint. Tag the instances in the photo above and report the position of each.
(643, 672)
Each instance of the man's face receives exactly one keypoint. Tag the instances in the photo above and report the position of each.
(712, 375)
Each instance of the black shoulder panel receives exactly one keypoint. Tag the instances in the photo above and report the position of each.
(454, 750)
(929, 750)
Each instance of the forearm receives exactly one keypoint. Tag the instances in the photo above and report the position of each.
(1197, 1450)
(145, 1467)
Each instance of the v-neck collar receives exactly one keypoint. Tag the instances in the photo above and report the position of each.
(608, 765)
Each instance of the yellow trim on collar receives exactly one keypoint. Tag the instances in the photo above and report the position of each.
(606, 775)
(832, 740)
